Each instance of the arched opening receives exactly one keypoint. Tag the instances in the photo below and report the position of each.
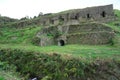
(103, 14)
(88, 16)
(61, 42)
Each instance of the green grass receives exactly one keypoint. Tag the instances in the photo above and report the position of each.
(112, 23)
(7, 72)
(21, 39)
(117, 13)
(113, 26)
(82, 51)
(23, 36)
(8, 76)
(2, 78)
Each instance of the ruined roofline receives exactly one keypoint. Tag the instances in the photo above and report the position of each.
(98, 6)
(72, 10)
(80, 9)
(97, 13)
(45, 17)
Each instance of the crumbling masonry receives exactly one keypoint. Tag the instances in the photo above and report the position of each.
(80, 26)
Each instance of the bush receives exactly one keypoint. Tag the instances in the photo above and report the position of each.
(39, 65)
(35, 40)
(54, 67)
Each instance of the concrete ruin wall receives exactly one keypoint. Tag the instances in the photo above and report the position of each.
(100, 13)
(95, 38)
(87, 33)
(48, 36)
(81, 26)
(92, 27)
(76, 16)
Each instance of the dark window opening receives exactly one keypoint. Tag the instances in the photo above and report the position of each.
(88, 15)
(52, 21)
(103, 14)
(76, 17)
(61, 18)
(61, 43)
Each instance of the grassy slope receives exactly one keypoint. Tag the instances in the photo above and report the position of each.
(8, 76)
(15, 36)
(4, 20)
(83, 51)
(117, 12)
(18, 36)
(56, 67)
(7, 72)
(21, 38)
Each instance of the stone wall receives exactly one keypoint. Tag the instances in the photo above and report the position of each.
(100, 13)
(95, 38)
(80, 26)
(87, 33)
(92, 27)
(76, 16)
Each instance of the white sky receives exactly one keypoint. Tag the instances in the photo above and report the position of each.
(22, 8)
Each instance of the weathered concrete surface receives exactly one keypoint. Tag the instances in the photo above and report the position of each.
(76, 16)
(79, 26)
(99, 13)
(87, 33)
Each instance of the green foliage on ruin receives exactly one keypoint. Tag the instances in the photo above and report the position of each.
(6, 20)
(117, 13)
(115, 25)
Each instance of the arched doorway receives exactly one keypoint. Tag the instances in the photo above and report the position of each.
(61, 43)
(103, 14)
(88, 16)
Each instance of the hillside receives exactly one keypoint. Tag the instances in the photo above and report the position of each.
(86, 62)
(6, 20)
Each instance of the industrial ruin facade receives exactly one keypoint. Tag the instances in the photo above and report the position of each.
(80, 26)
(80, 15)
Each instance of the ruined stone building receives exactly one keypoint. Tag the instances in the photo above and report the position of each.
(100, 13)
(79, 26)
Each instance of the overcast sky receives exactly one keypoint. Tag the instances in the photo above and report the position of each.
(22, 8)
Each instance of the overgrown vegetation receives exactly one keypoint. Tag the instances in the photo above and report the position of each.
(6, 20)
(71, 62)
(82, 51)
(117, 13)
(2, 78)
(18, 36)
(115, 25)
(7, 72)
(50, 66)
